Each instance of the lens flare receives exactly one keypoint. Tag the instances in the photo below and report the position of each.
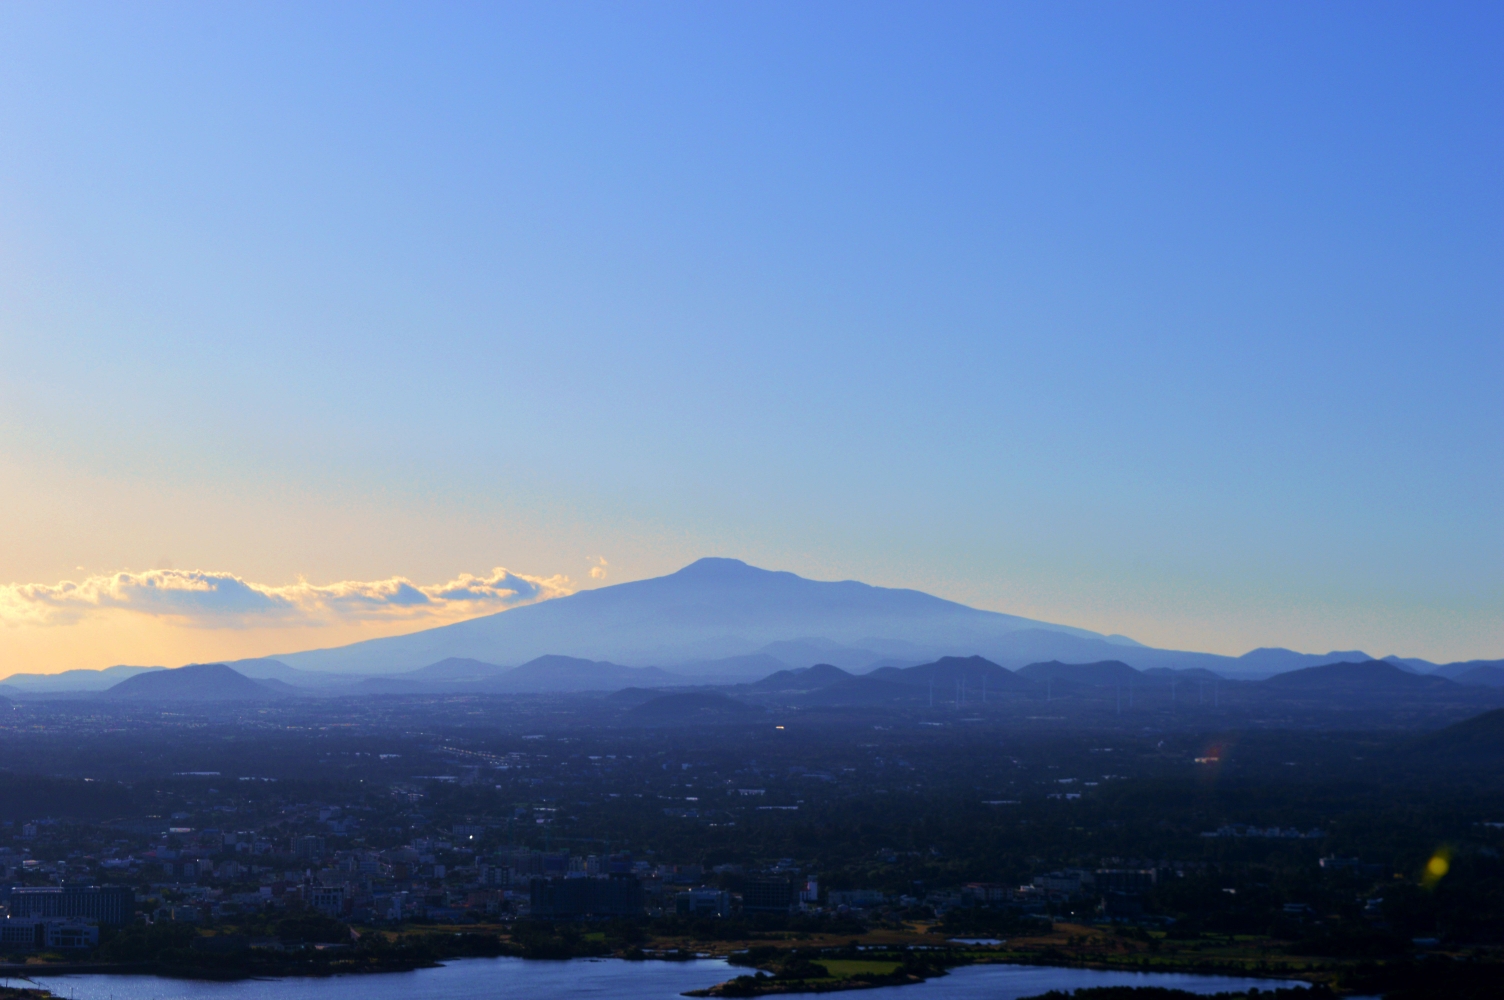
(1437, 867)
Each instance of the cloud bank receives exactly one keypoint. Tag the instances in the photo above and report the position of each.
(223, 600)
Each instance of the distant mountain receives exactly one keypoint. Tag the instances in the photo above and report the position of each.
(265, 668)
(1268, 660)
(76, 680)
(198, 682)
(456, 670)
(1485, 674)
(948, 672)
(1455, 670)
(714, 608)
(1107, 673)
(720, 619)
(567, 673)
(1370, 677)
(806, 679)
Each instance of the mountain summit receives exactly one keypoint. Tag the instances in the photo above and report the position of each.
(711, 609)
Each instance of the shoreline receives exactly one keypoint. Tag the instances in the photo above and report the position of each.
(783, 965)
(754, 982)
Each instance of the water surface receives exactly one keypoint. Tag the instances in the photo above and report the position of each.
(488, 978)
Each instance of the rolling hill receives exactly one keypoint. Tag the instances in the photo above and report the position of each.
(1107, 673)
(1366, 678)
(807, 679)
(198, 682)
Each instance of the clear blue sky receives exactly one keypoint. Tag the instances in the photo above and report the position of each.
(1177, 320)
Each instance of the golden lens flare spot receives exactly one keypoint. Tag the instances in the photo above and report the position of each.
(1438, 866)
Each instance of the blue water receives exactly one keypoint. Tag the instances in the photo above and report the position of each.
(486, 978)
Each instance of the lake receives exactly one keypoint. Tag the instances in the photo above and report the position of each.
(487, 978)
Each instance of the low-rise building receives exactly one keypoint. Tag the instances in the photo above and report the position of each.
(703, 903)
(31, 934)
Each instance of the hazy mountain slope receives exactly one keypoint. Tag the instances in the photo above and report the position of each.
(456, 669)
(710, 609)
(1455, 670)
(567, 673)
(76, 680)
(265, 668)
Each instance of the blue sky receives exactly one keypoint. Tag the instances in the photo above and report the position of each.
(1176, 320)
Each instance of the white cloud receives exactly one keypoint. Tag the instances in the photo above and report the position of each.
(223, 600)
(598, 571)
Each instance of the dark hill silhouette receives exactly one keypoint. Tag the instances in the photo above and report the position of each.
(948, 671)
(689, 707)
(1472, 743)
(1369, 677)
(1105, 673)
(195, 682)
(806, 679)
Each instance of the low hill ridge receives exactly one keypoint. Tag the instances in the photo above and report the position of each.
(195, 682)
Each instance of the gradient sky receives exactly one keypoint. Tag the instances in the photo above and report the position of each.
(1177, 320)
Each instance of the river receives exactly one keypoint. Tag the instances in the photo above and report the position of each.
(488, 978)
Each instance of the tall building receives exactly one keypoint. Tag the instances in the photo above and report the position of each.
(767, 895)
(616, 896)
